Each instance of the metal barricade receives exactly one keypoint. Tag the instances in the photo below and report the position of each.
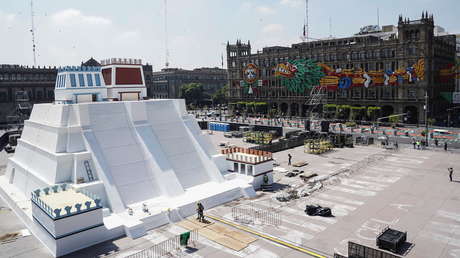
(251, 215)
(170, 247)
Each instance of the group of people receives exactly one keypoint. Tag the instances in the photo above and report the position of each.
(418, 144)
(421, 144)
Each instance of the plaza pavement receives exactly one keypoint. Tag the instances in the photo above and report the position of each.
(407, 190)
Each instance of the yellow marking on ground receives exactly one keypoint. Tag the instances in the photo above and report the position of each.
(279, 241)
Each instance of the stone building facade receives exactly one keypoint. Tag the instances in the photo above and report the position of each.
(408, 55)
(168, 82)
(38, 82)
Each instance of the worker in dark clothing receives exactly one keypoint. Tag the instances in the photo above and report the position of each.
(414, 143)
(289, 159)
(445, 146)
(199, 211)
(436, 142)
(451, 172)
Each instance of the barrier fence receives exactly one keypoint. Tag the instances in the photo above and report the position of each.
(170, 247)
(251, 215)
(356, 250)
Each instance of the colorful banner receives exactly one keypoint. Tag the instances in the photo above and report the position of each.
(299, 75)
(449, 72)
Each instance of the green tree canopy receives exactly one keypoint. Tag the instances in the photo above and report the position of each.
(192, 93)
(220, 96)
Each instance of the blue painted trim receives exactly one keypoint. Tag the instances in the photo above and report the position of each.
(68, 234)
(64, 216)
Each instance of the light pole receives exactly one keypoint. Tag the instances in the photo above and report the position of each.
(426, 117)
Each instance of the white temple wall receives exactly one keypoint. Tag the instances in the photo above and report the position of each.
(50, 138)
(180, 106)
(159, 163)
(45, 164)
(127, 163)
(79, 169)
(115, 202)
(263, 167)
(63, 94)
(51, 114)
(97, 188)
(204, 142)
(23, 179)
(170, 130)
(74, 140)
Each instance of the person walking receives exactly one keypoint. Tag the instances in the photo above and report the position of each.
(413, 142)
(445, 146)
(199, 211)
(436, 142)
(289, 158)
(451, 172)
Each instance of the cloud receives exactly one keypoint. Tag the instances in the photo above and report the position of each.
(74, 16)
(273, 28)
(292, 3)
(265, 10)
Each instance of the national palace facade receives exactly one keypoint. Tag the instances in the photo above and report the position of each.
(391, 68)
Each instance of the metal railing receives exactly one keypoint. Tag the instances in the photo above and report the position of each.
(170, 247)
(252, 215)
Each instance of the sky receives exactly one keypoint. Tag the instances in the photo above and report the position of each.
(69, 32)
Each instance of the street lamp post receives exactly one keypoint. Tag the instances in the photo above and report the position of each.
(426, 117)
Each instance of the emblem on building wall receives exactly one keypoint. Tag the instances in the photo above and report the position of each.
(251, 73)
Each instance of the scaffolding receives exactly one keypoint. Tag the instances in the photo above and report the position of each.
(21, 112)
(317, 146)
(318, 95)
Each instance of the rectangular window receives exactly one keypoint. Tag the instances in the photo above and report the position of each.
(342, 93)
(63, 81)
(371, 94)
(89, 79)
(97, 78)
(81, 79)
(386, 93)
(411, 94)
(250, 170)
(356, 93)
(73, 81)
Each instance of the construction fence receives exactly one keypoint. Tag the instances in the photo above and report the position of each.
(171, 247)
(252, 215)
(360, 251)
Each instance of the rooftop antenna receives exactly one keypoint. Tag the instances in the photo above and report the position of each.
(166, 35)
(305, 35)
(378, 17)
(32, 31)
(222, 59)
(330, 27)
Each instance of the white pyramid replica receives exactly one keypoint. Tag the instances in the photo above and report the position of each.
(101, 162)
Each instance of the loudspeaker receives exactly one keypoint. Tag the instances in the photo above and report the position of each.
(324, 126)
(307, 125)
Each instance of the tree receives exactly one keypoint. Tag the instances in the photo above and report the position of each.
(220, 96)
(192, 93)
